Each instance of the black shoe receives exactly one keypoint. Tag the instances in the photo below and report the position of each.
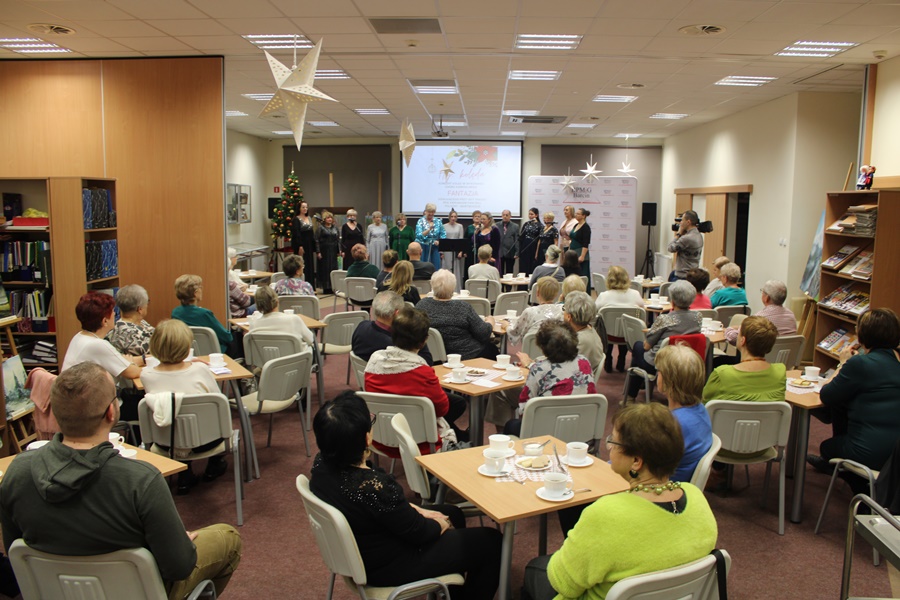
(620, 364)
(607, 364)
(819, 464)
(215, 468)
(186, 480)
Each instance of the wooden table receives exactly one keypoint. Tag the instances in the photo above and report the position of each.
(803, 403)
(255, 276)
(477, 394)
(660, 307)
(163, 464)
(515, 281)
(507, 502)
(715, 337)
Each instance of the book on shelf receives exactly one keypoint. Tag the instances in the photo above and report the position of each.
(832, 338)
(847, 298)
(855, 262)
(841, 257)
(864, 269)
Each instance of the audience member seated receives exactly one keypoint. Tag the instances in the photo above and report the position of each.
(233, 274)
(579, 312)
(240, 304)
(398, 541)
(78, 496)
(389, 258)
(375, 334)
(561, 371)
(570, 263)
(715, 283)
(401, 282)
(681, 375)
(189, 291)
(729, 294)
(531, 318)
(361, 266)
(293, 284)
(550, 268)
(421, 270)
(680, 321)
(572, 283)
(483, 269)
(753, 378)
(645, 448)
(95, 313)
(463, 331)
(618, 293)
(861, 398)
(699, 278)
(275, 321)
(131, 335)
(399, 369)
(774, 293)
(171, 345)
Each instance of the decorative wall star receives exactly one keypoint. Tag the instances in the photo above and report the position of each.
(590, 174)
(626, 168)
(407, 141)
(447, 171)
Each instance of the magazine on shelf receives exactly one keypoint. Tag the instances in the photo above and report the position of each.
(864, 269)
(832, 338)
(862, 257)
(863, 208)
(841, 257)
(846, 341)
(847, 298)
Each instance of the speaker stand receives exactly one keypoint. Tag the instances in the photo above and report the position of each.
(647, 268)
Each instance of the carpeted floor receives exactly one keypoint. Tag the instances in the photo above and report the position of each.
(281, 559)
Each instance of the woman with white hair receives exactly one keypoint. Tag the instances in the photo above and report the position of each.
(351, 235)
(531, 318)
(729, 294)
(463, 331)
(131, 335)
(484, 270)
(428, 231)
(579, 312)
(230, 263)
(551, 266)
(376, 236)
(680, 321)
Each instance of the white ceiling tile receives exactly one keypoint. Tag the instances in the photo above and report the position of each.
(412, 42)
(343, 41)
(190, 27)
(613, 45)
(576, 9)
(467, 8)
(460, 25)
(153, 44)
(398, 8)
(128, 28)
(785, 33)
(80, 10)
(851, 33)
(627, 26)
(236, 9)
(754, 48)
(871, 13)
(109, 54)
(657, 9)
(807, 12)
(93, 44)
(320, 26)
(260, 26)
(709, 12)
(501, 42)
(316, 8)
(218, 42)
(553, 25)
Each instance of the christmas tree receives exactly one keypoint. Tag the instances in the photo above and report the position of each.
(291, 197)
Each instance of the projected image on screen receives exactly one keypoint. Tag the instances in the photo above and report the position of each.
(464, 176)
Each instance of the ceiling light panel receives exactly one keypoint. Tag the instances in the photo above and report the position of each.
(628, 135)
(607, 98)
(371, 111)
(536, 41)
(260, 97)
(670, 116)
(31, 46)
(322, 124)
(331, 74)
(535, 75)
(581, 125)
(434, 86)
(235, 113)
(283, 132)
(810, 49)
(744, 81)
(516, 133)
(520, 113)
(279, 41)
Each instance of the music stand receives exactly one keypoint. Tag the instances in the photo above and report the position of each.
(455, 246)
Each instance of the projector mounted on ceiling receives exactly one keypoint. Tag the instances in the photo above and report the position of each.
(437, 128)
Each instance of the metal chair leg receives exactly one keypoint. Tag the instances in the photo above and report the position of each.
(834, 475)
(302, 420)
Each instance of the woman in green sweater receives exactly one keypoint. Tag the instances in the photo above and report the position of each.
(189, 291)
(753, 379)
(656, 524)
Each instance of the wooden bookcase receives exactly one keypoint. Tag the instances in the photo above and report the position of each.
(884, 287)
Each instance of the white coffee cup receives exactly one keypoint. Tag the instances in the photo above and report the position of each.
(654, 297)
(464, 292)
(494, 460)
(812, 372)
(513, 372)
(501, 442)
(576, 453)
(151, 361)
(36, 444)
(715, 325)
(507, 276)
(707, 321)
(251, 272)
(116, 440)
(533, 450)
(511, 314)
(217, 360)
(458, 375)
(522, 275)
(454, 360)
(556, 485)
(639, 278)
(503, 359)
(288, 311)
(663, 299)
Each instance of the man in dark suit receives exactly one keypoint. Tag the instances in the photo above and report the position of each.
(374, 335)
(421, 270)
(509, 243)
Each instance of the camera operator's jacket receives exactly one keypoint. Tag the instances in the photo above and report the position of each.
(689, 247)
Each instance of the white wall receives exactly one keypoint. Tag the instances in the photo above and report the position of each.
(245, 163)
(886, 120)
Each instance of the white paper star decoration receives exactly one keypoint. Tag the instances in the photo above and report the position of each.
(447, 171)
(568, 183)
(295, 90)
(407, 141)
(626, 168)
(590, 174)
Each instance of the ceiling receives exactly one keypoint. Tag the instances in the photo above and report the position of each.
(624, 42)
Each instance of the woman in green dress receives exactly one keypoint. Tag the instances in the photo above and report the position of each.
(581, 242)
(401, 236)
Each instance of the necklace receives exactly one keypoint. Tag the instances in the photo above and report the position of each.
(753, 359)
(91, 333)
(656, 488)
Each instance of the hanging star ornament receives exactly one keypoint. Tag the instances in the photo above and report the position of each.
(447, 171)
(295, 90)
(568, 182)
(590, 174)
(407, 141)
(626, 168)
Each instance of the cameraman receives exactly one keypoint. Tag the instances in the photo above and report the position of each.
(688, 243)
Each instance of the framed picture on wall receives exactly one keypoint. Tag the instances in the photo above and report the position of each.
(237, 203)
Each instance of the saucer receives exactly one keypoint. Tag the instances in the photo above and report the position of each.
(128, 452)
(813, 379)
(499, 366)
(220, 365)
(508, 452)
(451, 380)
(459, 366)
(655, 306)
(508, 378)
(484, 472)
(542, 494)
(589, 460)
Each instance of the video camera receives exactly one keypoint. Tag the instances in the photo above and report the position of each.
(702, 227)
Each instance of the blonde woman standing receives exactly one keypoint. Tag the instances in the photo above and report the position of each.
(565, 230)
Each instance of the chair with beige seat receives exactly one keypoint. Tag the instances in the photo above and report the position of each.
(484, 288)
(337, 337)
(574, 418)
(304, 305)
(697, 580)
(205, 341)
(507, 301)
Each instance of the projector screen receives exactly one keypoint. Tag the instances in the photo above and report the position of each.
(463, 175)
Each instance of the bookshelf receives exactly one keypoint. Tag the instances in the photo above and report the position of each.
(68, 237)
(883, 288)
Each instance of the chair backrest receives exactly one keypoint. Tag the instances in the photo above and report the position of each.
(697, 580)
(339, 327)
(787, 350)
(416, 477)
(262, 346)
(202, 418)
(530, 346)
(484, 288)
(611, 314)
(735, 321)
(283, 377)
(276, 278)
(423, 285)
(337, 281)
(746, 427)
(333, 535)
(637, 285)
(632, 329)
(435, 345)
(359, 370)
(575, 418)
(599, 282)
(360, 289)
(584, 280)
(707, 313)
(418, 410)
(701, 471)
(533, 299)
(130, 573)
(700, 344)
(481, 305)
(304, 305)
(726, 312)
(205, 341)
(664, 288)
(517, 301)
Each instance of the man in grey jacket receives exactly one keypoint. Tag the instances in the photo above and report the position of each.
(688, 243)
(509, 243)
(77, 496)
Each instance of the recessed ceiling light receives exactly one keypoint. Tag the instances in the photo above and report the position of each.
(279, 41)
(582, 125)
(517, 133)
(537, 41)
(630, 86)
(260, 97)
(628, 135)
(607, 98)
(520, 113)
(815, 49)
(454, 124)
(331, 74)
(535, 75)
(672, 116)
(235, 113)
(433, 86)
(31, 46)
(284, 132)
(744, 81)
(323, 124)
(371, 111)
